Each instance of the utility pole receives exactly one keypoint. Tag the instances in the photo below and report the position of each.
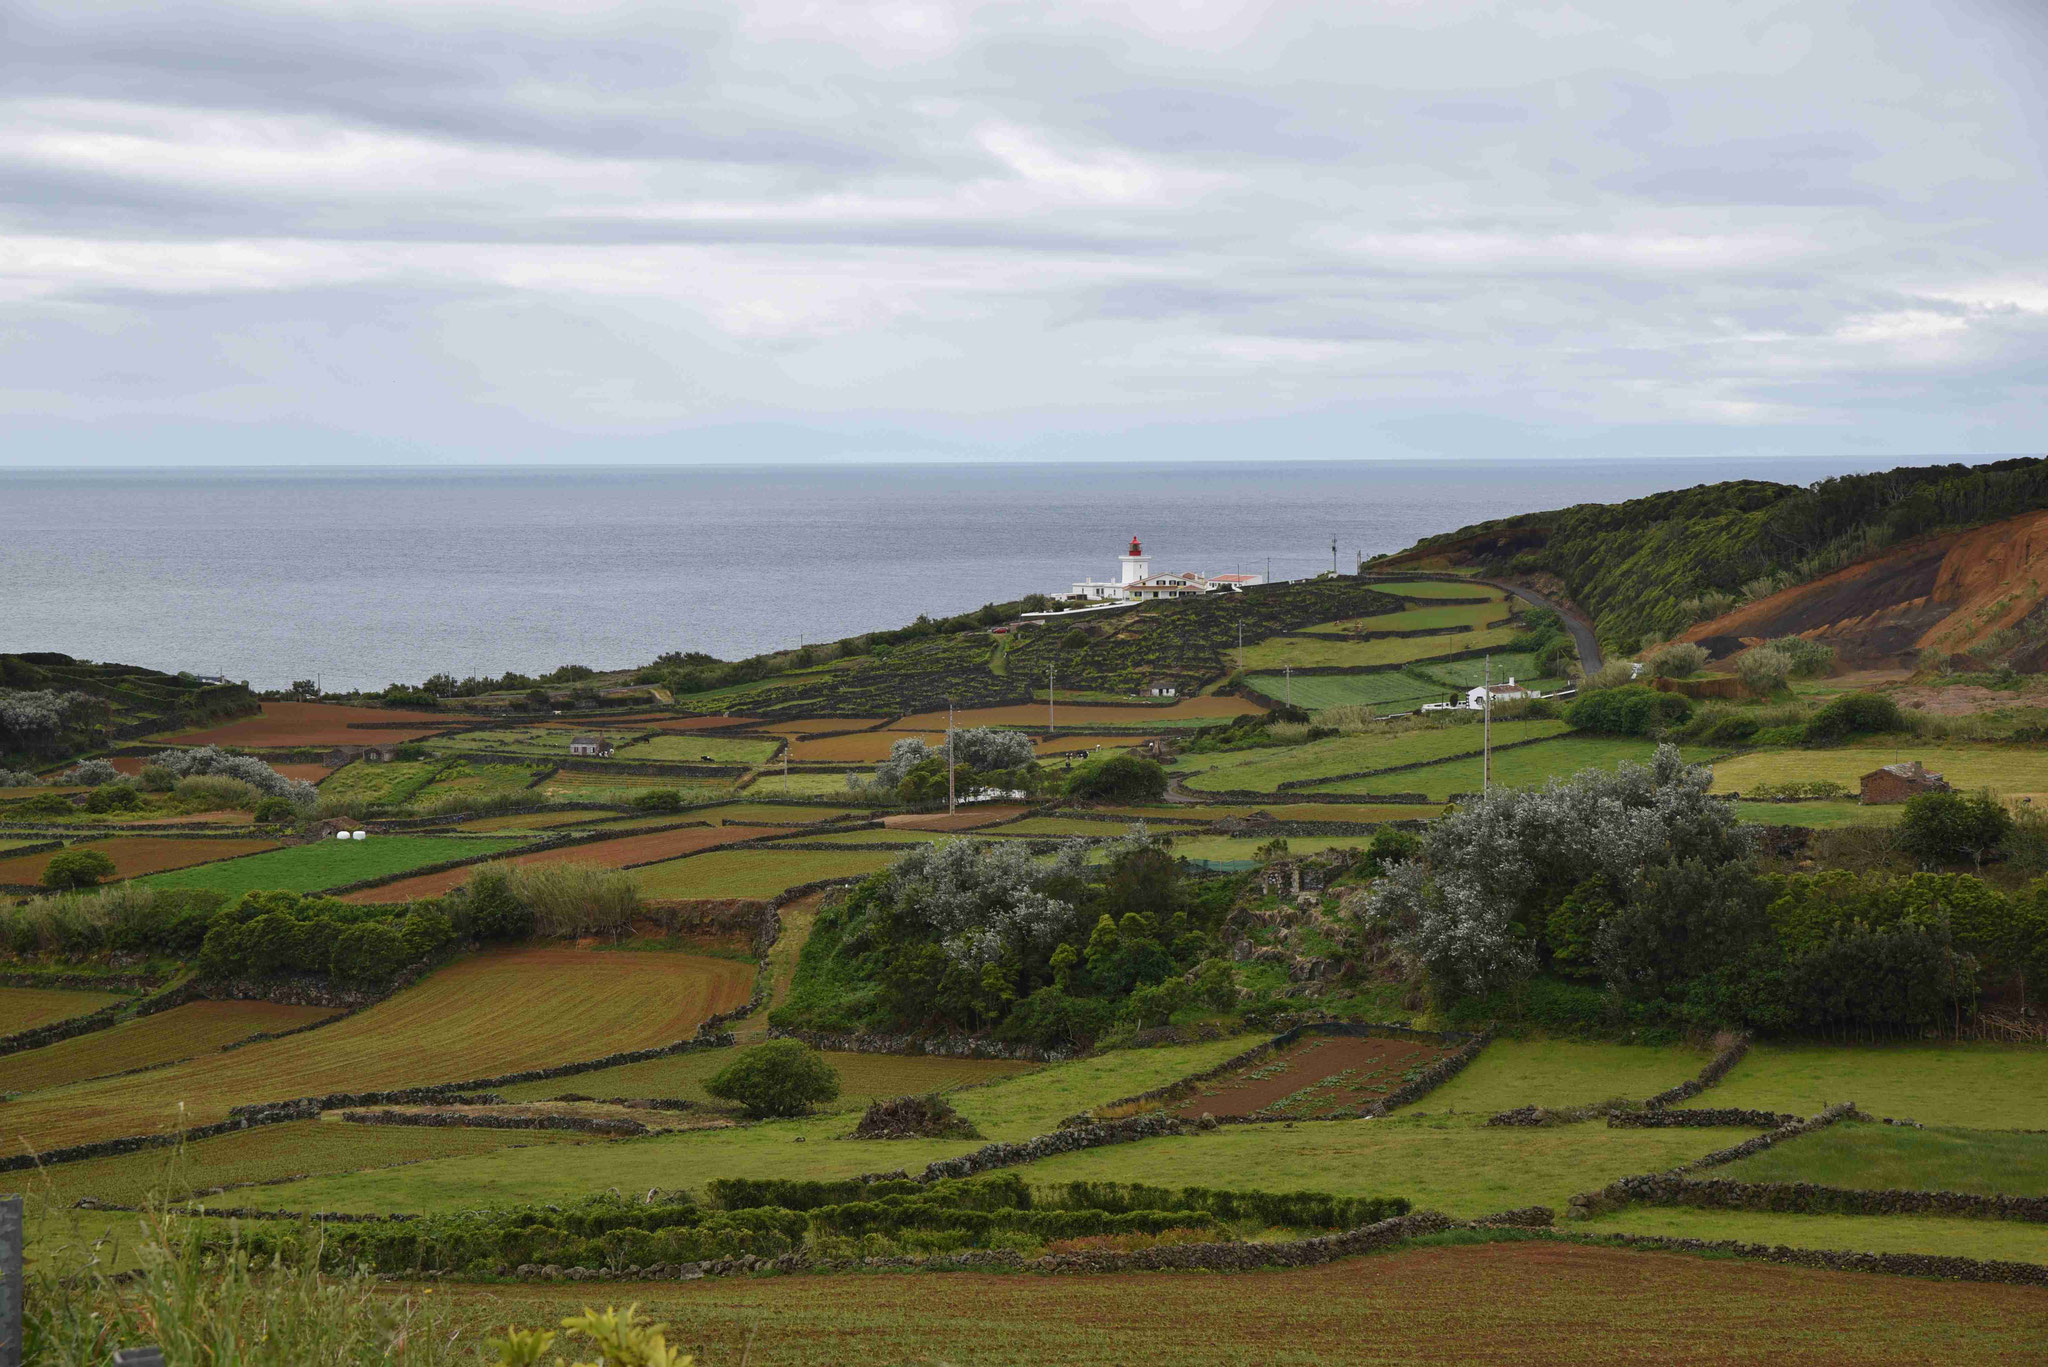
(1333, 553)
(1240, 645)
(1051, 699)
(1486, 729)
(952, 797)
(1287, 671)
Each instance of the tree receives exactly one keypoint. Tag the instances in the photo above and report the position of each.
(113, 797)
(305, 690)
(780, 1078)
(91, 773)
(77, 868)
(1947, 828)
(493, 908)
(1118, 778)
(1632, 710)
(537, 699)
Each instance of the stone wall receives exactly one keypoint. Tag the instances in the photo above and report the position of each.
(1724, 1117)
(1619, 1193)
(1840, 1260)
(1733, 1047)
(468, 1120)
(939, 1046)
(1011, 1153)
(1807, 1198)
(1289, 786)
(112, 1014)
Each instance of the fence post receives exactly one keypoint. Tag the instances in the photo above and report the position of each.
(10, 1281)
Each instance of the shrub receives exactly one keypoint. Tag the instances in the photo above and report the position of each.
(214, 761)
(1677, 660)
(492, 906)
(370, 953)
(576, 899)
(154, 778)
(1613, 674)
(1764, 670)
(1948, 828)
(780, 1078)
(1809, 659)
(77, 868)
(43, 804)
(209, 790)
(1853, 714)
(91, 773)
(17, 778)
(113, 797)
(659, 800)
(1118, 778)
(274, 811)
(1632, 710)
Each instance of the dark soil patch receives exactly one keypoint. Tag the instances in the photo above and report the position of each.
(1324, 1075)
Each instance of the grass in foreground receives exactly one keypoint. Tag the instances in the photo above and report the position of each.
(1555, 1073)
(330, 863)
(1989, 1086)
(1988, 1162)
(495, 1012)
(2003, 1240)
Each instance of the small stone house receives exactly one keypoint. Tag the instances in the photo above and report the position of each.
(348, 754)
(1292, 877)
(1163, 688)
(590, 746)
(1898, 782)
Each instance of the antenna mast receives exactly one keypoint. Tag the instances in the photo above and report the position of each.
(1486, 728)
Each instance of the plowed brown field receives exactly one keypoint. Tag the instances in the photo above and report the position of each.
(1501, 1305)
(135, 855)
(495, 1012)
(958, 821)
(812, 726)
(181, 1032)
(317, 723)
(1322, 1075)
(606, 854)
(862, 747)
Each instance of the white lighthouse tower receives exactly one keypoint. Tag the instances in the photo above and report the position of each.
(1135, 566)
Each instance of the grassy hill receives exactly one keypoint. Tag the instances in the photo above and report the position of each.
(1663, 563)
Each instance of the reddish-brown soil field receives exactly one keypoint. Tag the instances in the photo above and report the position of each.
(958, 821)
(135, 855)
(1063, 744)
(864, 747)
(1318, 1076)
(223, 817)
(1501, 1305)
(317, 723)
(182, 1032)
(817, 726)
(608, 854)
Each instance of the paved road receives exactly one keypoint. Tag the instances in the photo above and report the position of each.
(1580, 629)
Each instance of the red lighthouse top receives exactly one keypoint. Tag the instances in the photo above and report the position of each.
(1134, 547)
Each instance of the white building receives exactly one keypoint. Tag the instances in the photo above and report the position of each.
(1136, 582)
(1475, 698)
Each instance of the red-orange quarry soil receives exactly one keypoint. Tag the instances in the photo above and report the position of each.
(135, 855)
(1943, 593)
(1322, 1075)
(604, 854)
(318, 723)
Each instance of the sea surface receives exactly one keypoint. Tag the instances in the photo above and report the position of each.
(360, 578)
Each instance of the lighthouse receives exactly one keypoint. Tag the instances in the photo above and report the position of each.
(1134, 563)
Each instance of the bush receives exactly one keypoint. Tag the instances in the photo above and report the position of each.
(154, 778)
(1632, 710)
(1809, 659)
(369, 954)
(273, 811)
(492, 906)
(209, 790)
(659, 800)
(780, 1078)
(1853, 714)
(113, 797)
(77, 868)
(1764, 670)
(91, 773)
(1949, 828)
(1118, 778)
(1677, 660)
(43, 804)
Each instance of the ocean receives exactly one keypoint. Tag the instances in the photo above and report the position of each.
(360, 578)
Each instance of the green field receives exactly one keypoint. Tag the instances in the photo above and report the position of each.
(2006, 1240)
(690, 748)
(583, 785)
(1303, 653)
(1384, 688)
(538, 821)
(754, 873)
(1819, 815)
(1939, 1158)
(1234, 848)
(1265, 769)
(1509, 1073)
(1430, 588)
(1439, 1163)
(1526, 767)
(1467, 616)
(545, 742)
(2013, 770)
(1464, 674)
(330, 863)
(774, 783)
(468, 779)
(1990, 1086)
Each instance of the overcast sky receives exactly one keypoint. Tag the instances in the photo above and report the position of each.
(429, 230)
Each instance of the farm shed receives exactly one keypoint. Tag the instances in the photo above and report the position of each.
(1898, 782)
(590, 745)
